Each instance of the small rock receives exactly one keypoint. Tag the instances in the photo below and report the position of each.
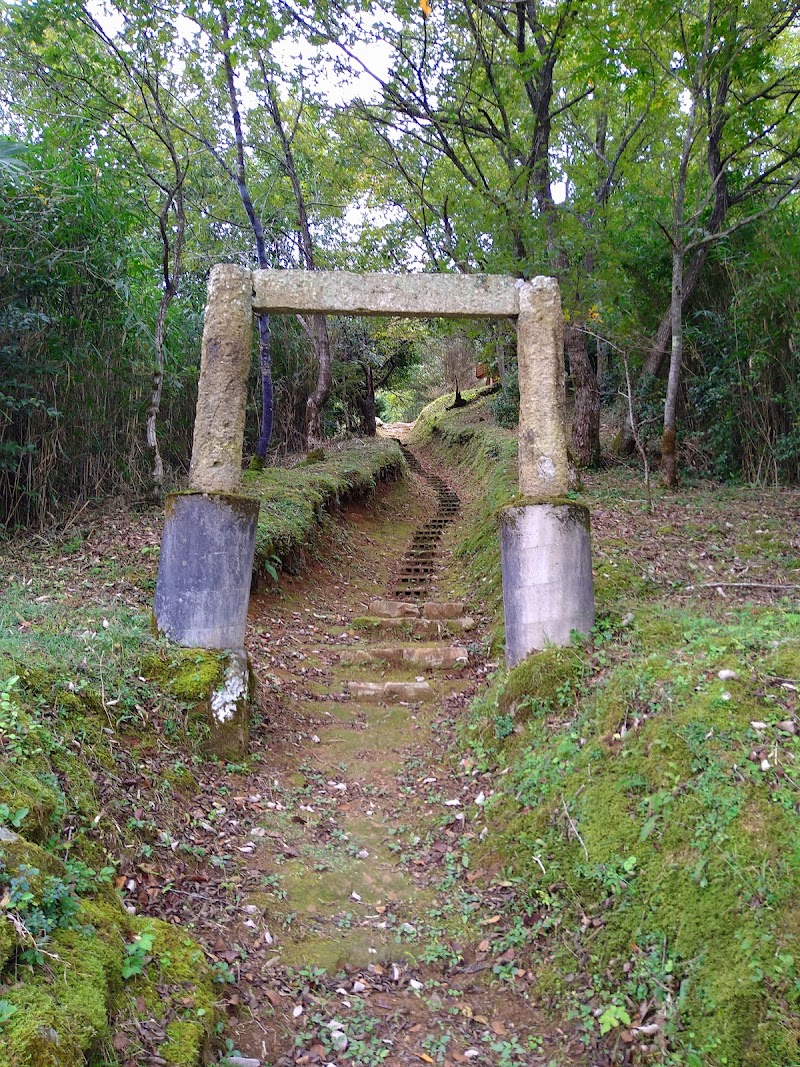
(358, 987)
(765, 765)
(727, 676)
(363, 854)
(297, 1011)
(415, 984)
(788, 726)
(760, 726)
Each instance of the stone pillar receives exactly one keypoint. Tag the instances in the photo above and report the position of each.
(208, 543)
(216, 465)
(228, 709)
(545, 546)
(543, 469)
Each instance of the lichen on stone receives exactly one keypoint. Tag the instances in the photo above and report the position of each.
(225, 701)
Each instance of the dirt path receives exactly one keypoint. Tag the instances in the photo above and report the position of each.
(361, 937)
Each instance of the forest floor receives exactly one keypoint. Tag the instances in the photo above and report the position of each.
(329, 875)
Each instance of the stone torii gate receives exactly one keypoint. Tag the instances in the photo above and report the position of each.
(208, 543)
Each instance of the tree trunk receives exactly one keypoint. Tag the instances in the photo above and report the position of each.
(660, 344)
(264, 353)
(267, 402)
(602, 363)
(586, 423)
(368, 404)
(318, 399)
(157, 471)
(669, 437)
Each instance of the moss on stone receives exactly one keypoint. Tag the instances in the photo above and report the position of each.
(190, 674)
(62, 1012)
(314, 455)
(178, 989)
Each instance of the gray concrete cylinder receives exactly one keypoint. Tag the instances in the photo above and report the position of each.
(205, 569)
(548, 589)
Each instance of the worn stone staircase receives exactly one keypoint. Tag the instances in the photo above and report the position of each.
(410, 613)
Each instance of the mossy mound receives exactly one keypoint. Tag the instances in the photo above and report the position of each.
(65, 937)
(21, 790)
(295, 500)
(546, 678)
(63, 956)
(648, 802)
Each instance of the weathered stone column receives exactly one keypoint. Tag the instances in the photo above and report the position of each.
(208, 542)
(543, 470)
(545, 546)
(216, 465)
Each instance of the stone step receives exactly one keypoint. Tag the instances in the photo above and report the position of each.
(391, 692)
(431, 628)
(433, 656)
(437, 609)
(393, 609)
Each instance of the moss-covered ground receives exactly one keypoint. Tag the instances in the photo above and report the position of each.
(643, 786)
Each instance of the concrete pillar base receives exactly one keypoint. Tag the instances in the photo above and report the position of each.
(229, 708)
(547, 576)
(205, 569)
